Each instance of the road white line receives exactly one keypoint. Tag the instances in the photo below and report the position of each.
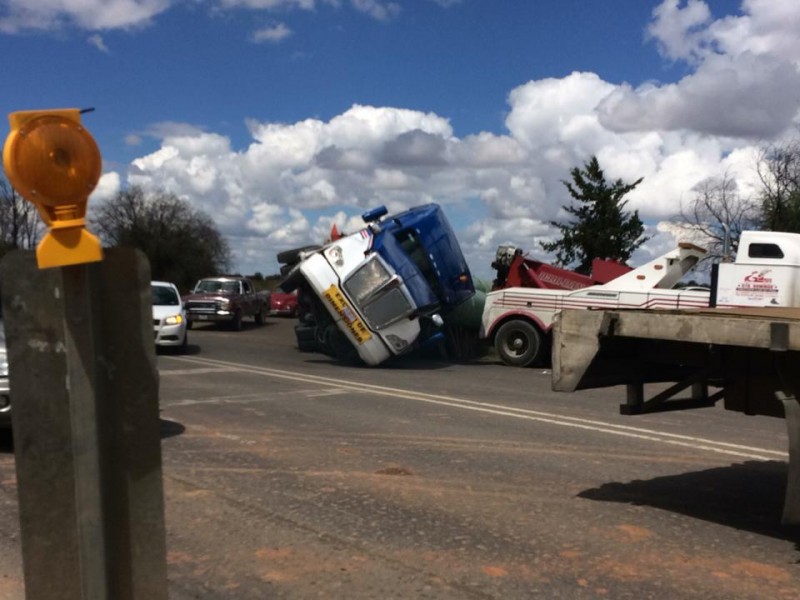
(331, 392)
(195, 371)
(238, 399)
(507, 411)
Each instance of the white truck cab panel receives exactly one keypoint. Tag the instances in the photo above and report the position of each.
(766, 271)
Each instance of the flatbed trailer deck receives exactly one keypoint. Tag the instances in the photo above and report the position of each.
(748, 358)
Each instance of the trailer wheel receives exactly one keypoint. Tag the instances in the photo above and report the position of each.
(518, 343)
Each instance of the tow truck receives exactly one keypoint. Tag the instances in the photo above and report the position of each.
(527, 295)
(381, 291)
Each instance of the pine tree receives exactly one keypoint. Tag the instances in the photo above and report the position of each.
(601, 228)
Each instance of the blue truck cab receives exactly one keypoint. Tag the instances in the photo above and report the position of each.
(382, 291)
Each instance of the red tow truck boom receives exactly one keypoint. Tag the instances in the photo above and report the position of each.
(514, 269)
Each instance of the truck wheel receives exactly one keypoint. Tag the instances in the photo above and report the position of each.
(236, 323)
(289, 257)
(259, 316)
(518, 343)
(306, 338)
(292, 280)
(338, 346)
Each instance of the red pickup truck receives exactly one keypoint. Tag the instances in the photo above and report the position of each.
(227, 299)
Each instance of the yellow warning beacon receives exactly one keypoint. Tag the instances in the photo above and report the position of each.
(53, 162)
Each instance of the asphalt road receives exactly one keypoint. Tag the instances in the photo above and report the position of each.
(287, 475)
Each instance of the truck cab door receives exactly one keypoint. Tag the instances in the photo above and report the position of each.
(247, 298)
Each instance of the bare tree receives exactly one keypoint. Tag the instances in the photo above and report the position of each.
(182, 243)
(20, 225)
(718, 214)
(779, 171)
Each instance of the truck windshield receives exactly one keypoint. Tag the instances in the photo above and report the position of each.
(213, 286)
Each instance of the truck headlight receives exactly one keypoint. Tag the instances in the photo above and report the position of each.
(174, 320)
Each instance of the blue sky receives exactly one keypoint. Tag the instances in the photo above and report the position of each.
(279, 117)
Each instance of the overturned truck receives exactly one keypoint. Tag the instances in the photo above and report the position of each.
(379, 292)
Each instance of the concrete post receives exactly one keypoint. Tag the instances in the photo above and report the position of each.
(84, 389)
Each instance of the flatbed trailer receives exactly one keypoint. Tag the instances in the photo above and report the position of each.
(747, 358)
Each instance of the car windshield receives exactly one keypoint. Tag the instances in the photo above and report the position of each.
(164, 296)
(216, 286)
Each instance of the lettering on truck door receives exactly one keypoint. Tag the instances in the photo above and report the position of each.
(356, 326)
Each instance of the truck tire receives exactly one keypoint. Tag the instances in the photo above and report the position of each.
(291, 280)
(338, 346)
(236, 322)
(306, 338)
(289, 257)
(518, 343)
(259, 316)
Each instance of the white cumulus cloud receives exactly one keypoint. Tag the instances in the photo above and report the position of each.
(97, 41)
(102, 15)
(294, 180)
(92, 15)
(382, 10)
(272, 33)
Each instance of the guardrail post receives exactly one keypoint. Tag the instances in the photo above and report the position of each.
(84, 392)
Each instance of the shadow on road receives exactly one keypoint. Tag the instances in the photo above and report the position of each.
(6, 441)
(170, 428)
(747, 496)
(167, 429)
(247, 325)
(191, 349)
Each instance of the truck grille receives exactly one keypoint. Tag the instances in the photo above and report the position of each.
(201, 306)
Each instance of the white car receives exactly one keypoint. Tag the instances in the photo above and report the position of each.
(169, 316)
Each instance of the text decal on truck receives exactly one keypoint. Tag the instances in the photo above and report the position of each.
(757, 286)
(334, 295)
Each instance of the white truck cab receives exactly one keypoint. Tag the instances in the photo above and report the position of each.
(766, 272)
